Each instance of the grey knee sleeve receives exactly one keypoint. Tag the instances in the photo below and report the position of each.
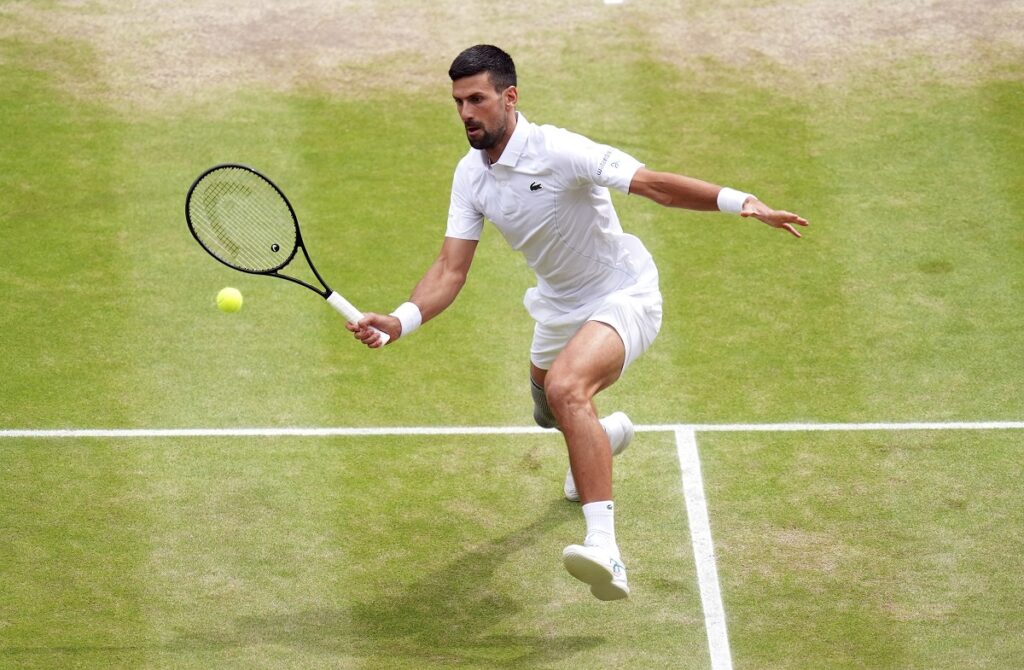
(541, 410)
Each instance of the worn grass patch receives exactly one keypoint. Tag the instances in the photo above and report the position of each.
(152, 54)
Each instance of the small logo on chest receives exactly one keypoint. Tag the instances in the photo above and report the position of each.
(536, 186)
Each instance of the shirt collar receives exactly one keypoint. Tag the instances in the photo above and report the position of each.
(516, 144)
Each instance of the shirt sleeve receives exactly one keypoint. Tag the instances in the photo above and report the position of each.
(465, 221)
(600, 164)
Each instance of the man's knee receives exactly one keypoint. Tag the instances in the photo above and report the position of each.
(542, 413)
(565, 396)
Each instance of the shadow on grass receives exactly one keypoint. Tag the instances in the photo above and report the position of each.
(448, 616)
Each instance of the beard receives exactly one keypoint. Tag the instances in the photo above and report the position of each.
(488, 139)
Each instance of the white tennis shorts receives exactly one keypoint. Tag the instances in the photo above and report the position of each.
(634, 312)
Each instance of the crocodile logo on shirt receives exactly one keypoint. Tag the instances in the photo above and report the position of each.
(536, 186)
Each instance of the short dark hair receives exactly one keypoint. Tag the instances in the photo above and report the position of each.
(485, 58)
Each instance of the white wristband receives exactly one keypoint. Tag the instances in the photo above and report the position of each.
(410, 317)
(730, 200)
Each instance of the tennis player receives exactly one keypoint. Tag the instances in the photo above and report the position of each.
(597, 304)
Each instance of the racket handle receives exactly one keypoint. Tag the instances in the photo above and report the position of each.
(353, 315)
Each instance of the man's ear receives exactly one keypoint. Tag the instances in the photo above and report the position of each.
(511, 97)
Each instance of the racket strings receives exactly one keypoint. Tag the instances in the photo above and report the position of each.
(243, 220)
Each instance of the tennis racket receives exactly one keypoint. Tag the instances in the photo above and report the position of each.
(244, 221)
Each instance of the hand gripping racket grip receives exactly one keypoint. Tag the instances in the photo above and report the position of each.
(353, 315)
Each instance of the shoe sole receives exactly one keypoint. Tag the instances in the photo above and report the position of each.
(596, 574)
(629, 434)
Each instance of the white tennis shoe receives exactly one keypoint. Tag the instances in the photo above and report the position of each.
(598, 566)
(619, 429)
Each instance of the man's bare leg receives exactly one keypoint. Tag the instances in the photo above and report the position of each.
(590, 363)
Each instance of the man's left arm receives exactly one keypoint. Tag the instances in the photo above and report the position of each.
(674, 190)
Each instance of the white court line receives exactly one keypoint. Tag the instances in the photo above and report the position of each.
(834, 427)
(703, 550)
(492, 430)
(270, 432)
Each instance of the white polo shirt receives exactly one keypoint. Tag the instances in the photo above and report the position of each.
(548, 195)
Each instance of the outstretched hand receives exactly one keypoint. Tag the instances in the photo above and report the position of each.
(776, 218)
(365, 333)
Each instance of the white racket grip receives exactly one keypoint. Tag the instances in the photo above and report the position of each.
(349, 311)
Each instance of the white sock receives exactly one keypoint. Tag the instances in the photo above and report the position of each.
(600, 517)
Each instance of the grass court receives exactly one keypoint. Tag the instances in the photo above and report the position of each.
(896, 130)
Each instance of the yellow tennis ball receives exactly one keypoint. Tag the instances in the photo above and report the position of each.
(229, 300)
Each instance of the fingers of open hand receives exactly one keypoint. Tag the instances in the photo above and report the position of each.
(790, 217)
(780, 219)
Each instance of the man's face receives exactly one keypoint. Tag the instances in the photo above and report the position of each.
(484, 111)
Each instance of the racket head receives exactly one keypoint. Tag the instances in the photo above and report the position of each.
(242, 219)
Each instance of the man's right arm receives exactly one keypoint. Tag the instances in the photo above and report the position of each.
(445, 278)
(432, 295)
